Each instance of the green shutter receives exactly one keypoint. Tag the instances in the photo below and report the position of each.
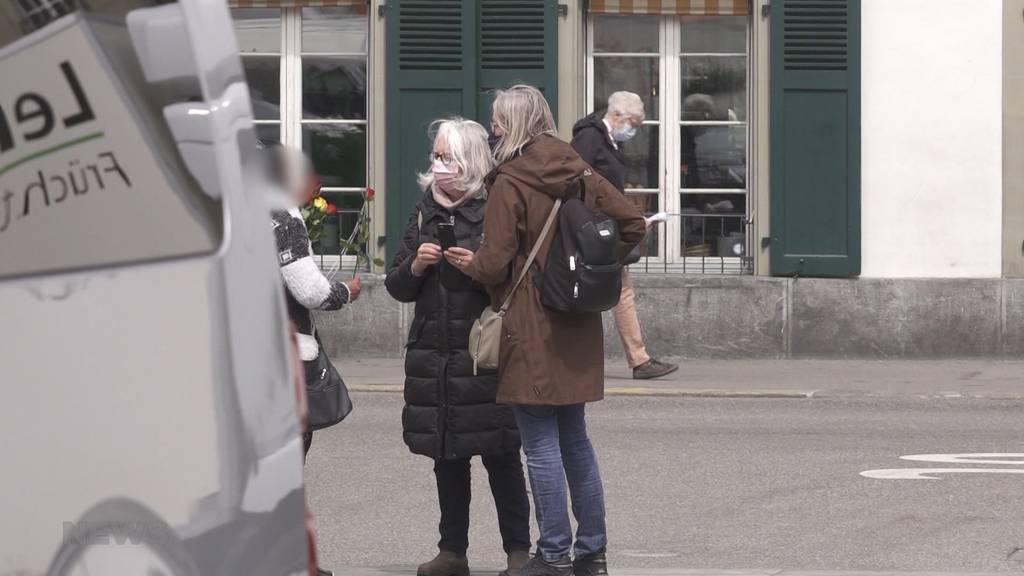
(815, 137)
(444, 58)
(518, 44)
(430, 74)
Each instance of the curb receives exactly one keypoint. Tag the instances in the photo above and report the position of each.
(636, 391)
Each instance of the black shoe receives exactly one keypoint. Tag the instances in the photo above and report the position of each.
(595, 564)
(653, 369)
(321, 572)
(538, 566)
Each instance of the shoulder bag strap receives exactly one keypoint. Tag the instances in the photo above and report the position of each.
(533, 255)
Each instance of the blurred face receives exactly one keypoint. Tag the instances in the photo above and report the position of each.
(310, 191)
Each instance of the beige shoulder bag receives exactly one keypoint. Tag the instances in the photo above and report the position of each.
(485, 336)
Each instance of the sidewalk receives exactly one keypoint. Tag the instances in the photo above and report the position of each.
(676, 572)
(950, 379)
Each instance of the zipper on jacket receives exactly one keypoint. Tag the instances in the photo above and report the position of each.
(445, 349)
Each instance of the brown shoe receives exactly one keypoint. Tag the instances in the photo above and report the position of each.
(516, 562)
(445, 564)
(653, 369)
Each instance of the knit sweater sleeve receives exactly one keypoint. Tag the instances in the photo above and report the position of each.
(302, 277)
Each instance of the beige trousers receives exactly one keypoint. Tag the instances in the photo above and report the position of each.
(628, 324)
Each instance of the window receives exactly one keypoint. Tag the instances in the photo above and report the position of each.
(307, 70)
(690, 157)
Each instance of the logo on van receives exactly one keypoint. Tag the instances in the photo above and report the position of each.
(32, 118)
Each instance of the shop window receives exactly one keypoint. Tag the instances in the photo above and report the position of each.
(690, 157)
(307, 70)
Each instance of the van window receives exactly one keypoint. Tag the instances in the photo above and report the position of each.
(89, 174)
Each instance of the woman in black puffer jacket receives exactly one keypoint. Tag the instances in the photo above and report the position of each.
(450, 414)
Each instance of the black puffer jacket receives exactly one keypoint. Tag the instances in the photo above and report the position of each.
(449, 413)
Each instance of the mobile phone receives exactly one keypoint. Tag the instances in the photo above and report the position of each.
(446, 235)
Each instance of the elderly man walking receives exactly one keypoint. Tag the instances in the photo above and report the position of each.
(596, 139)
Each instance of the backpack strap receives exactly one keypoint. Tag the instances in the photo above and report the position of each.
(533, 255)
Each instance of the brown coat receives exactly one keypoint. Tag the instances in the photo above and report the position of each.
(547, 358)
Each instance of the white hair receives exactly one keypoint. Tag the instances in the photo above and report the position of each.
(466, 142)
(626, 104)
(523, 114)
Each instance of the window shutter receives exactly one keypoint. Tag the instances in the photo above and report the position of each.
(446, 57)
(430, 74)
(518, 43)
(815, 137)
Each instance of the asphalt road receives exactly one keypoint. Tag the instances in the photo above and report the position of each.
(714, 483)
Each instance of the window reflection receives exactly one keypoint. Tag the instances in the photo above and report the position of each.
(263, 75)
(268, 134)
(713, 156)
(714, 225)
(338, 152)
(633, 74)
(333, 88)
(626, 34)
(721, 84)
(349, 205)
(713, 34)
(257, 30)
(338, 30)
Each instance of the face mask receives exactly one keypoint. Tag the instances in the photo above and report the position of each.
(444, 178)
(624, 133)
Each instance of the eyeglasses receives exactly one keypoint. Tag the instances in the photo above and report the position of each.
(444, 158)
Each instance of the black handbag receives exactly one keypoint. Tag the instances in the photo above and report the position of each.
(326, 394)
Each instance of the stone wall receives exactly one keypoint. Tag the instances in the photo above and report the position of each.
(756, 317)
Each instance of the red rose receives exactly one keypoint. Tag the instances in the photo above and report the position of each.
(370, 193)
(331, 209)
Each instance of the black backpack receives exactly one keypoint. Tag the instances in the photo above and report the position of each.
(583, 273)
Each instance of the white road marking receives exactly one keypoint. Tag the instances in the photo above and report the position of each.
(1006, 459)
(927, 473)
(646, 554)
(997, 458)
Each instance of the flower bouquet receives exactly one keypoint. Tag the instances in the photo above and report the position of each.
(314, 215)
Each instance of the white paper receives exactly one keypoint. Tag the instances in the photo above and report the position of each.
(659, 217)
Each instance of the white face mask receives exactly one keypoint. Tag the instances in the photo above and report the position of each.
(624, 133)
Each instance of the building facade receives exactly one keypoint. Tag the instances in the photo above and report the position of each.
(844, 175)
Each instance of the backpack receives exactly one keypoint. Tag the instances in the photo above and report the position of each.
(583, 272)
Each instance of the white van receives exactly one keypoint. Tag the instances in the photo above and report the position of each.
(148, 411)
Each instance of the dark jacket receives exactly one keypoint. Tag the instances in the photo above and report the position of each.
(590, 139)
(546, 358)
(449, 413)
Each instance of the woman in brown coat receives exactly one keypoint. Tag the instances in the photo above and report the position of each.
(551, 364)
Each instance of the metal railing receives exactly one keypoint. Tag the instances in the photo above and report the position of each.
(713, 244)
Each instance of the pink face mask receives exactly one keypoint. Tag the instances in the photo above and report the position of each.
(444, 179)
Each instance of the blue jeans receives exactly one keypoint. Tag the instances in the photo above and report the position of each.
(558, 450)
